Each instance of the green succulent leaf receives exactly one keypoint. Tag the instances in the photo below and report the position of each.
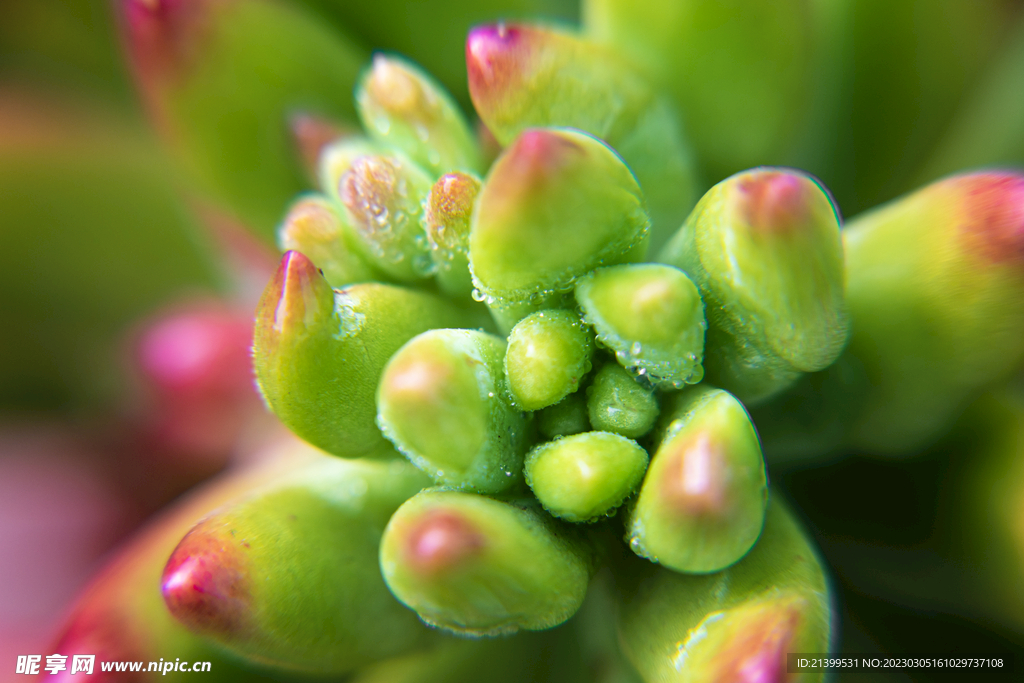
(568, 416)
(618, 403)
(936, 292)
(651, 316)
(319, 353)
(702, 503)
(316, 227)
(738, 623)
(548, 355)
(523, 76)
(584, 477)
(289, 575)
(764, 248)
(443, 402)
(478, 566)
(402, 107)
(557, 204)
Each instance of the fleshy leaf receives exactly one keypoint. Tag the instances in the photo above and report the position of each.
(479, 566)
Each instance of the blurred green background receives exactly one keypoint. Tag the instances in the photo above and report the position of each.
(99, 227)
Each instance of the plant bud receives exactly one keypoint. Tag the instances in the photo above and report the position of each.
(523, 76)
(568, 416)
(403, 107)
(737, 625)
(315, 227)
(447, 216)
(207, 88)
(555, 205)
(319, 353)
(764, 248)
(584, 477)
(383, 197)
(289, 576)
(336, 160)
(702, 504)
(548, 354)
(483, 567)
(617, 403)
(443, 402)
(935, 282)
(651, 316)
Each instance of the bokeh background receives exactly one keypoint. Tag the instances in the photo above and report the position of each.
(128, 280)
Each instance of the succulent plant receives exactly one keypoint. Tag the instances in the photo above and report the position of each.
(544, 360)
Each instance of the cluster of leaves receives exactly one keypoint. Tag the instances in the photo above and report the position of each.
(503, 335)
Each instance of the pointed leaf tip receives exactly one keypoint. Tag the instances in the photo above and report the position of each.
(492, 53)
(205, 584)
(291, 296)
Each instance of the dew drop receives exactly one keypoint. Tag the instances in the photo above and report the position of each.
(477, 295)
(636, 348)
